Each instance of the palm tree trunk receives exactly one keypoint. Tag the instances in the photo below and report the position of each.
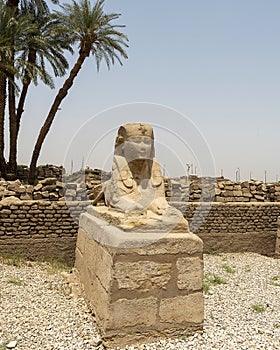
(13, 3)
(17, 117)
(26, 83)
(62, 93)
(23, 94)
(12, 168)
(3, 96)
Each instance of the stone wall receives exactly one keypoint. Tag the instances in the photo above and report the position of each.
(42, 228)
(86, 184)
(39, 229)
(79, 187)
(194, 189)
(49, 189)
(42, 172)
(233, 227)
(243, 218)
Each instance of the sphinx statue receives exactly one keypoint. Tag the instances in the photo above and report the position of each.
(135, 192)
(137, 182)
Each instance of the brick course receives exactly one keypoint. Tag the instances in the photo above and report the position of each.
(46, 228)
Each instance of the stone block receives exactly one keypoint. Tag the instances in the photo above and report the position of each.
(228, 193)
(142, 275)
(237, 193)
(247, 194)
(218, 191)
(100, 261)
(172, 243)
(182, 309)
(80, 244)
(190, 273)
(135, 312)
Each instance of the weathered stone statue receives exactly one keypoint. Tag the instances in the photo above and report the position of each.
(140, 267)
(137, 182)
(136, 187)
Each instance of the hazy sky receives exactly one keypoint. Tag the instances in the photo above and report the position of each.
(206, 74)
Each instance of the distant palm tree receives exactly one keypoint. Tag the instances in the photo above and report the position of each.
(13, 31)
(45, 43)
(4, 68)
(42, 4)
(92, 29)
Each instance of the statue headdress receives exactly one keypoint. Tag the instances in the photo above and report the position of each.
(134, 130)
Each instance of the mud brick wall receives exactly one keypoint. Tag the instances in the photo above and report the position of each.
(46, 228)
(234, 227)
(40, 229)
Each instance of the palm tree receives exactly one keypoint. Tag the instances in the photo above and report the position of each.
(46, 43)
(29, 37)
(92, 29)
(4, 68)
(39, 3)
(12, 31)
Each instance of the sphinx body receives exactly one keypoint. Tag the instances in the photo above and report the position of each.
(136, 187)
(136, 182)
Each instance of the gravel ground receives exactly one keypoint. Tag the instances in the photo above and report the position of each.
(242, 308)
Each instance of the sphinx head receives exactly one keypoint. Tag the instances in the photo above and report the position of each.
(135, 141)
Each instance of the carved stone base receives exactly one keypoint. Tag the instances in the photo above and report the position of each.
(140, 289)
(277, 245)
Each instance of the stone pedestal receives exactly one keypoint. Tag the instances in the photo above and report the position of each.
(277, 245)
(141, 287)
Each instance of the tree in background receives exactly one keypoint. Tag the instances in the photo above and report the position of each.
(13, 32)
(32, 36)
(95, 34)
(46, 43)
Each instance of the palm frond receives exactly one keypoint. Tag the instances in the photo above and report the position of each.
(92, 28)
(48, 39)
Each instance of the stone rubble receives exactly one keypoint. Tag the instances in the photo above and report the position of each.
(37, 311)
(194, 189)
(81, 186)
(55, 185)
(42, 171)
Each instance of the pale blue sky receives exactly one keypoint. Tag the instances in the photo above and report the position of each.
(217, 62)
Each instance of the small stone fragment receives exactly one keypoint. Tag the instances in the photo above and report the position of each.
(96, 341)
(12, 344)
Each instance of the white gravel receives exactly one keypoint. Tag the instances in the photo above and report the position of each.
(37, 311)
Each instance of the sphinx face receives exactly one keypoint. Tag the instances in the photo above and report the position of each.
(138, 148)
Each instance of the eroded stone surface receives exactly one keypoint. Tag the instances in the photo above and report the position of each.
(144, 295)
(190, 273)
(128, 313)
(137, 185)
(142, 275)
(187, 308)
(136, 182)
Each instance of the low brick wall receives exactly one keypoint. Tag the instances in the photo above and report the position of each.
(234, 227)
(39, 229)
(46, 229)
